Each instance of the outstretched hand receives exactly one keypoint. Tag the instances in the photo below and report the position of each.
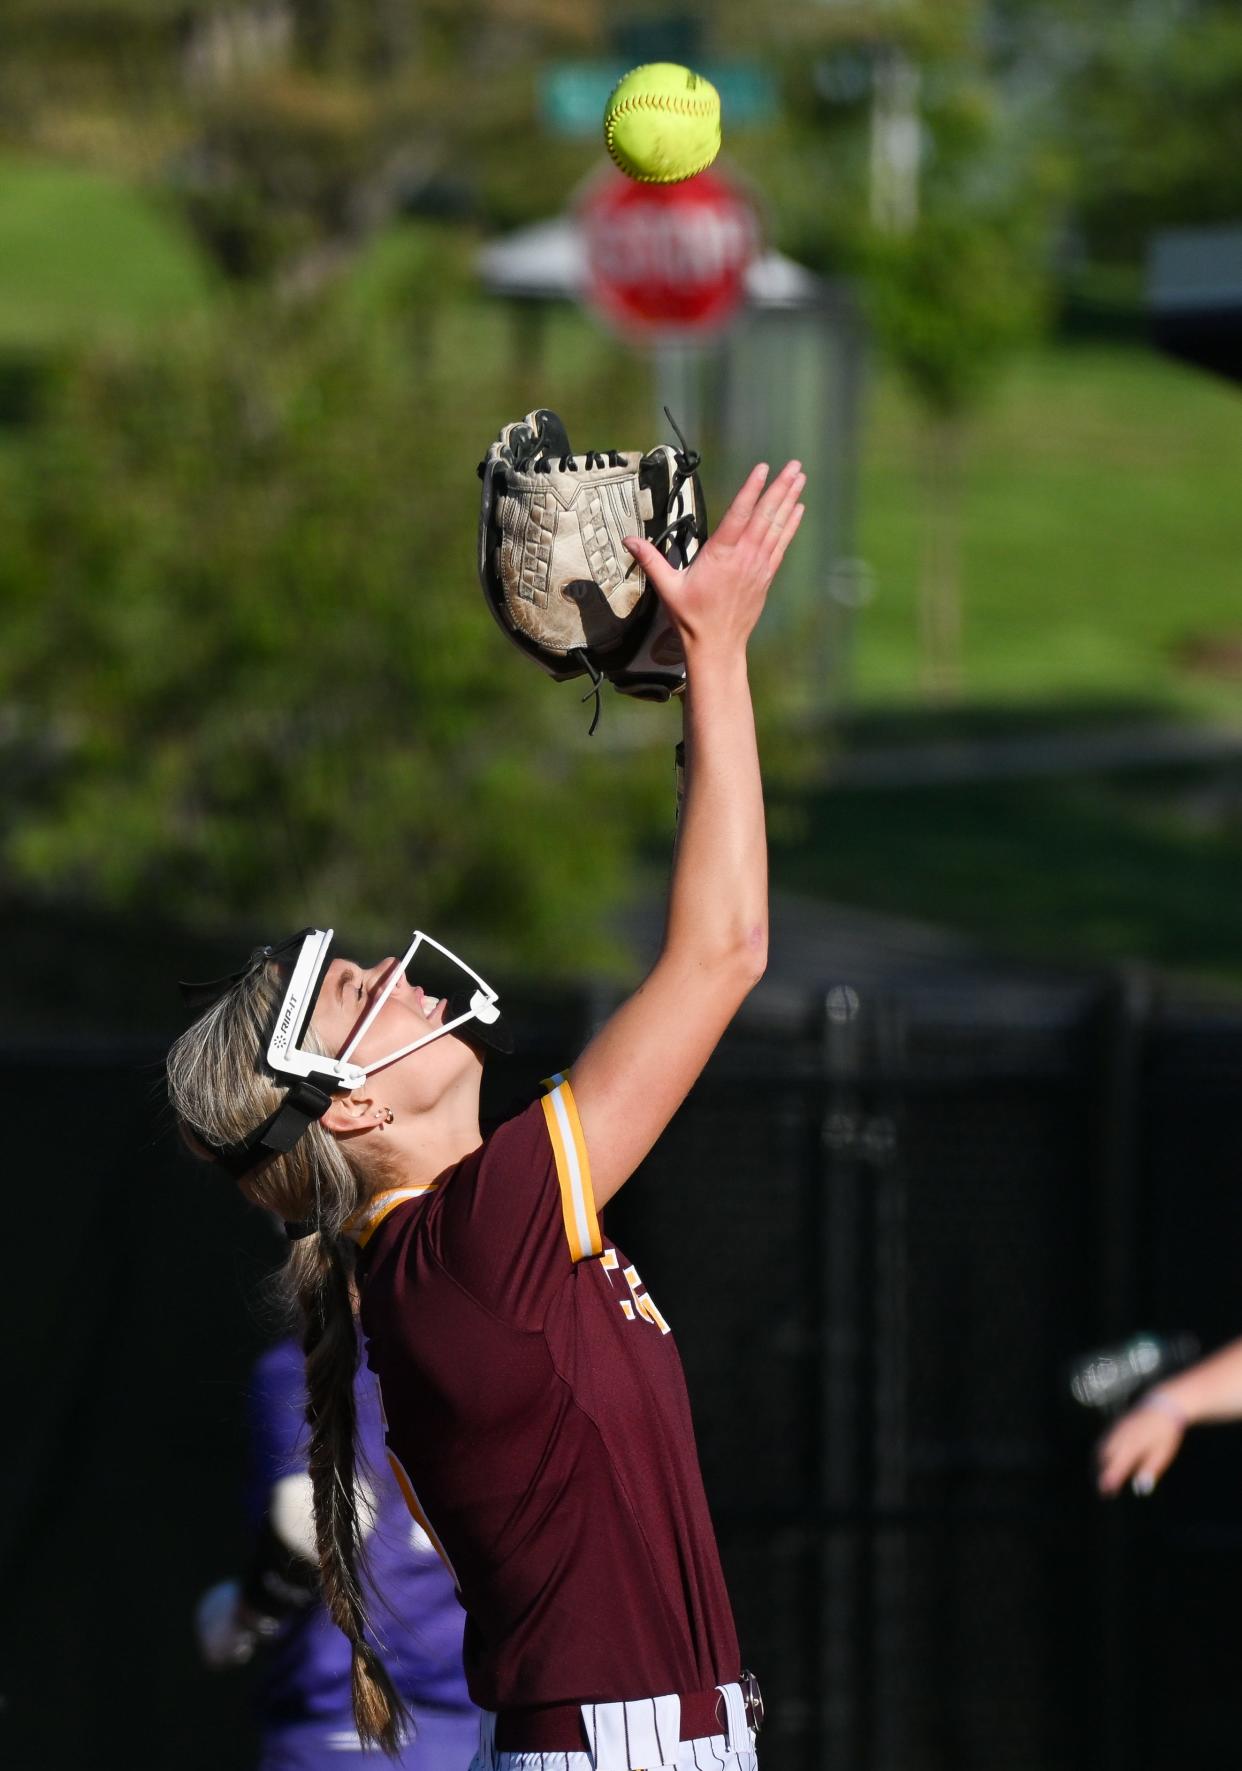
(717, 600)
(1139, 1449)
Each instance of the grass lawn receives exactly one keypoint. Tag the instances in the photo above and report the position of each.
(81, 254)
(1102, 536)
(1102, 532)
(1094, 869)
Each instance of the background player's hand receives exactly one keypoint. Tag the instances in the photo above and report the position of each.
(225, 1635)
(1138, 1450)
(717, 600)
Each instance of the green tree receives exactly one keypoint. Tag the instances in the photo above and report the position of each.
(952, 297)
(292, 131)
(248, 673)
(1152, 111)
(947, 216)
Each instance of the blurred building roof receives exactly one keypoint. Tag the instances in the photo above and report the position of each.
(1196, 267)
(1194, 292)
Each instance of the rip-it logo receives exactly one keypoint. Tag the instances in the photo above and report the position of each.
(287, 1020)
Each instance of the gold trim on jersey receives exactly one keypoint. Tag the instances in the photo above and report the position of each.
(416, 1511)
(362, 1224)
(573, 1169)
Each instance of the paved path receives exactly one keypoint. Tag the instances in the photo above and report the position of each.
(1107, 751)
(820, 945)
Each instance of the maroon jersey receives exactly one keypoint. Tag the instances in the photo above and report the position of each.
(538, 1422)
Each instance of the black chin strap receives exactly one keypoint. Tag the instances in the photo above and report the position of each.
(301, 1107)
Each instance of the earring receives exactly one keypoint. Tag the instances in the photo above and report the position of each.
(384, 1113)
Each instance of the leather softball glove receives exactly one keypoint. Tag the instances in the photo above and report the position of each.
(551, 563)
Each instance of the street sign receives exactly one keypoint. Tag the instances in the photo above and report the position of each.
(572, 95)
(670, 259)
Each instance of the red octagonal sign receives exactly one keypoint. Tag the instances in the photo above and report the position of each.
(668, 258)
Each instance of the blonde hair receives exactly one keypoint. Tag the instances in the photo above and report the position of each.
(220, 1090)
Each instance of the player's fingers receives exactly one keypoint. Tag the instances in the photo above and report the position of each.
(1153, 1467)
(770, 503)
(1143, 1481)
(1112, 1472)
(1138, 1450)
(785, 537)
(1116, 1457)
(662, 575)
(777, 520)
(732, 526)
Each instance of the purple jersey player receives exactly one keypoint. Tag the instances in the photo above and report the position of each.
(303, 1688)
(535, 1412)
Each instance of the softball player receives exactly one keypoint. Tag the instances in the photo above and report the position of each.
(536, 1414)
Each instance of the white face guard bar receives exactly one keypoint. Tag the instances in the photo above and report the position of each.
(284, 1052)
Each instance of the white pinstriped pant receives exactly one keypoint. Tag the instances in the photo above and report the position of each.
(627, 1737)
(711, 1753)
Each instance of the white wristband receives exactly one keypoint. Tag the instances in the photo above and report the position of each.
(1164, 1404)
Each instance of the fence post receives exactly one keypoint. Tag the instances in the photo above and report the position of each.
(858, 1226)
(841, 1217)
(1126, 1017)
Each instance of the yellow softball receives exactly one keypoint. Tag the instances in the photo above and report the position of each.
(662, 123)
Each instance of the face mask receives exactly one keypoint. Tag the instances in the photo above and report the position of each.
(470, 1003)
(473, 1000)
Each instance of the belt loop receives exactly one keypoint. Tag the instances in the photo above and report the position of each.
(487, 1740)
(639, 1735)
(607, 1736)
(589, 1729)
(736, 1729)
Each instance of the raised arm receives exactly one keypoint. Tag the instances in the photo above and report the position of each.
(642, 1063)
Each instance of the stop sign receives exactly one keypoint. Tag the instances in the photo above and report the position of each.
(668, 258)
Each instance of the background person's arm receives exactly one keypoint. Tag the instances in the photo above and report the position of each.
(642, 1063)
(1144, 1442)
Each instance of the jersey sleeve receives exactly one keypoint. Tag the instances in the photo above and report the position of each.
(513, 1226)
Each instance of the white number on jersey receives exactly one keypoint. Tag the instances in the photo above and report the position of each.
(640, 1302)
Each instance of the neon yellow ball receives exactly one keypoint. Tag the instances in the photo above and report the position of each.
(662, 123)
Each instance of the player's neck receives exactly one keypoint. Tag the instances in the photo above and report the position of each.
(423, 1145)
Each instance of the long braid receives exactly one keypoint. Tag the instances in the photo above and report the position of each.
(220, 1089)
(331, 1348)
